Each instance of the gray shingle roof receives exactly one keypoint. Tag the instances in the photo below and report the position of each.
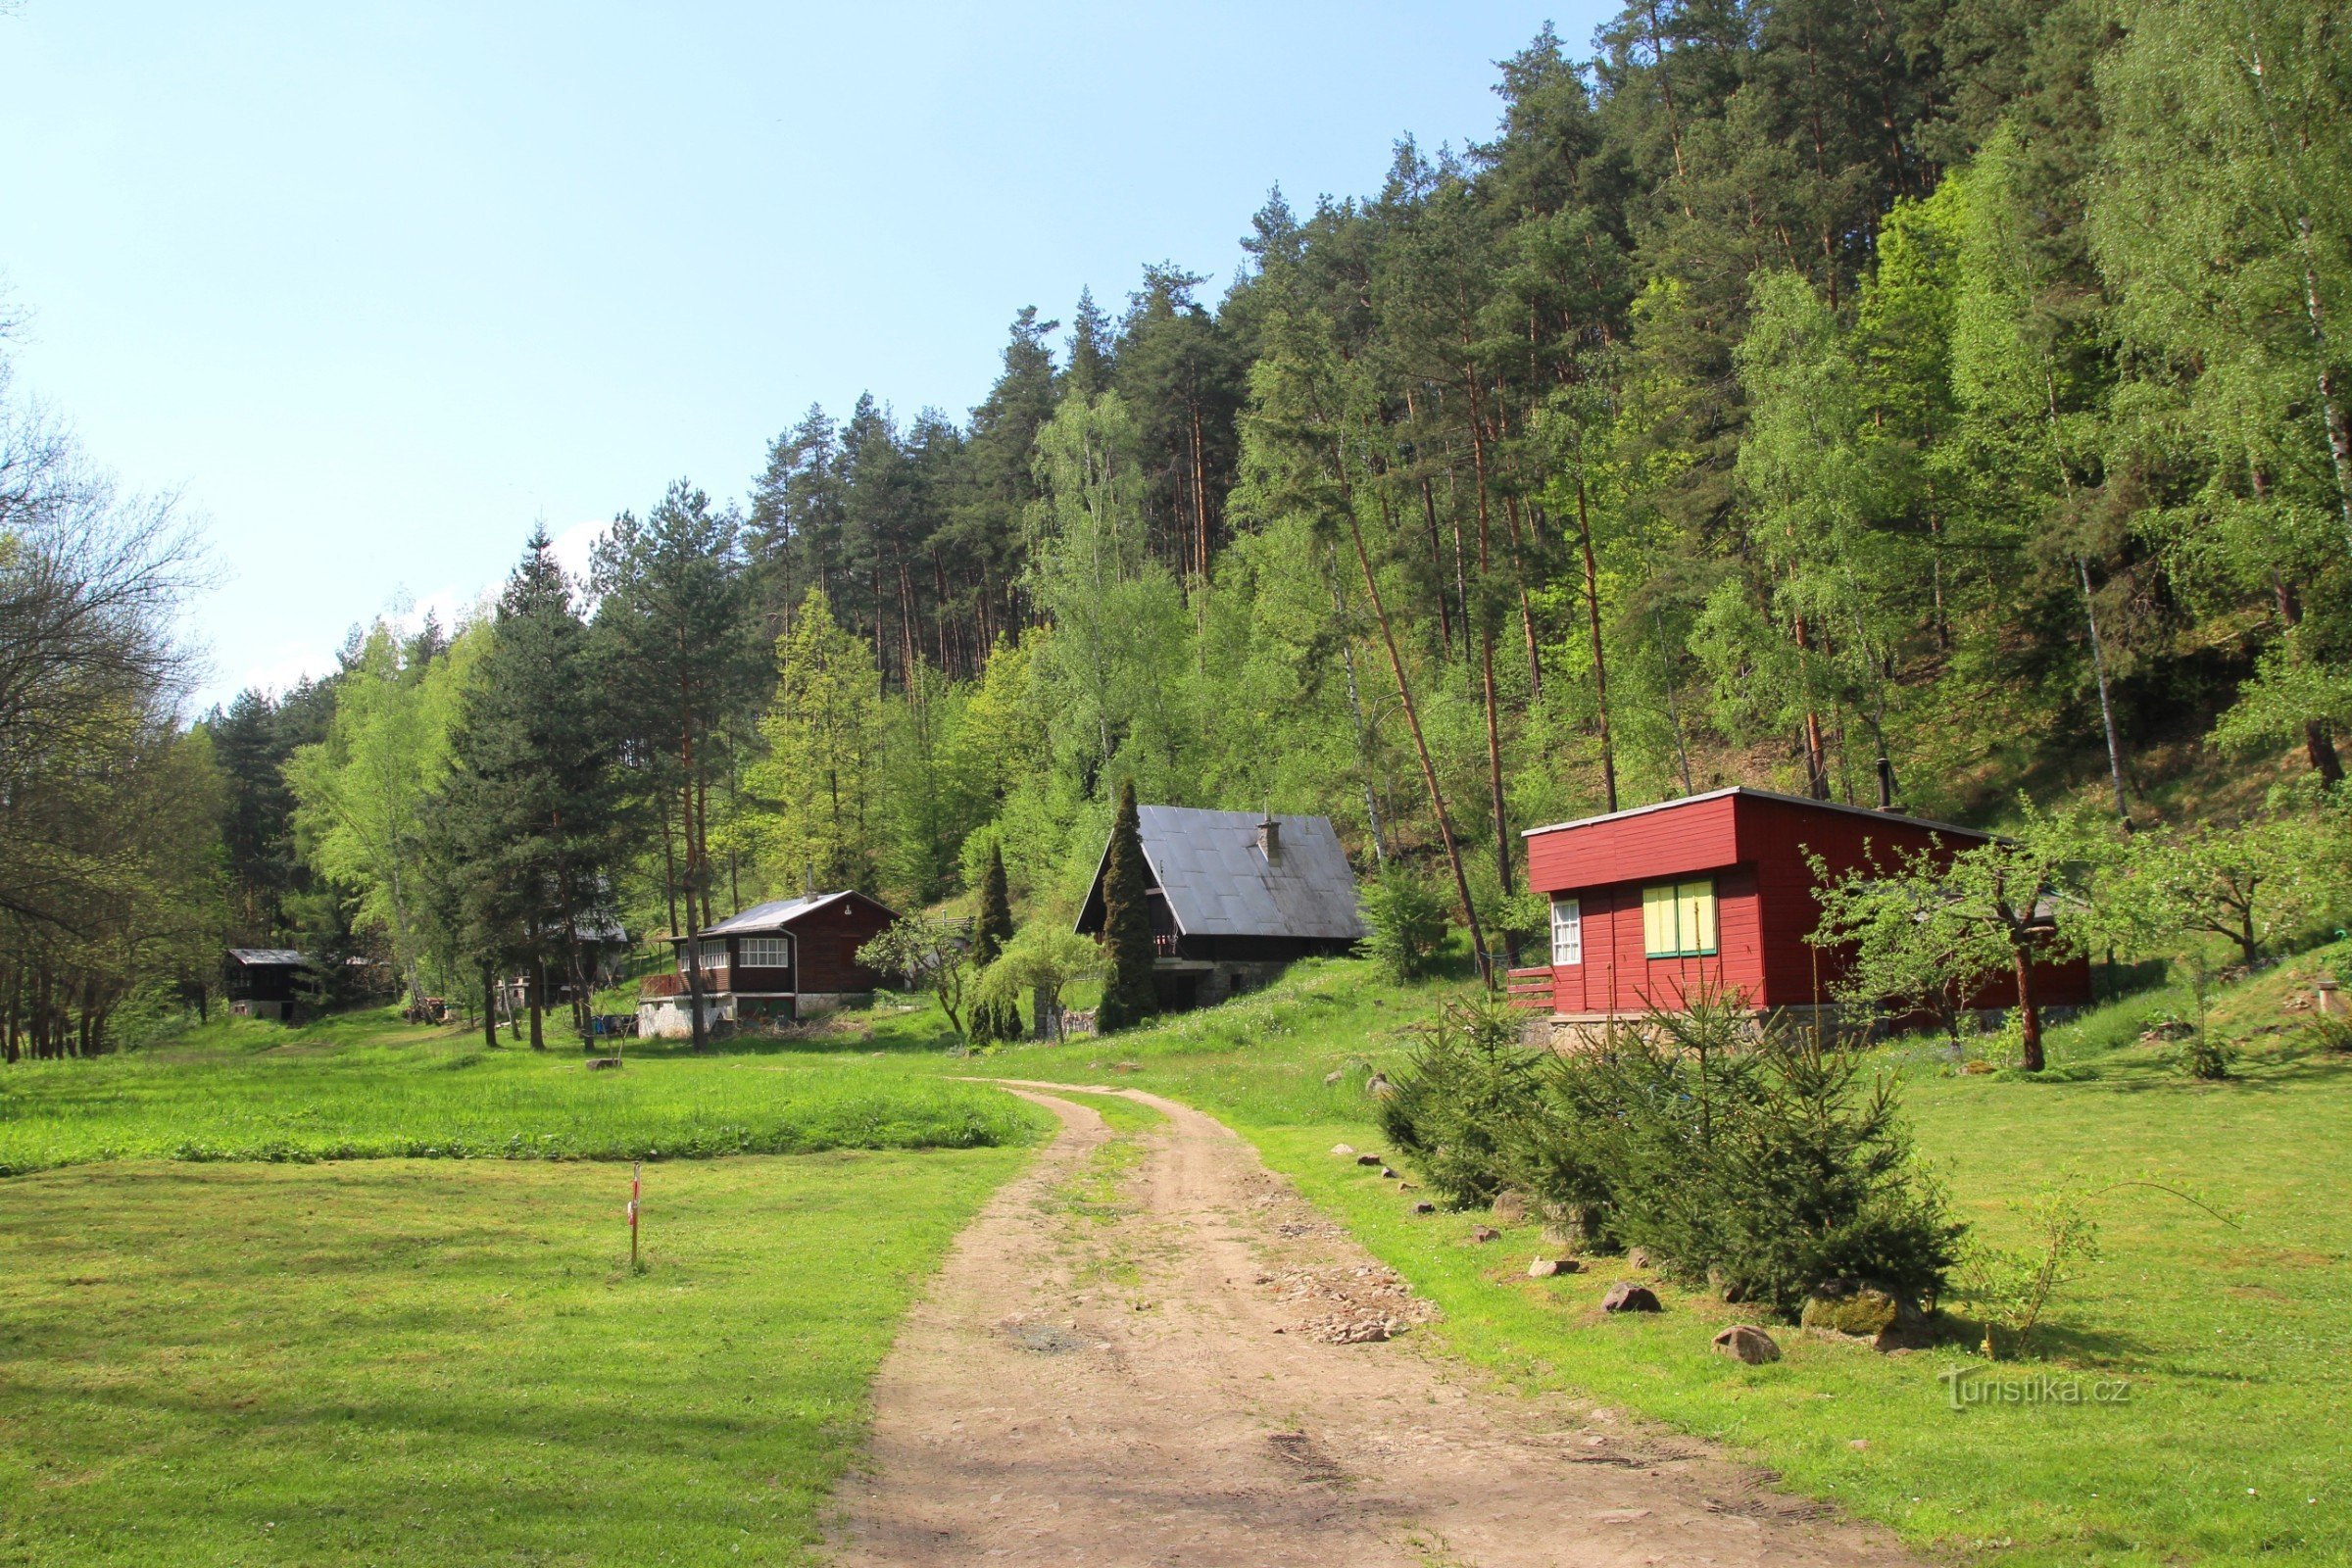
(777, 914)
(268, 956)
(1218, 882)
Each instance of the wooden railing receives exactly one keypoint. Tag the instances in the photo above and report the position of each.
(1528, 988)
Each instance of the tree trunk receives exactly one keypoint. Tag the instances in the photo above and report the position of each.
(694, 924)
(489, 1008)
(2319, 747)
(2098, 665)
(1485, 662)
(2028, 1012)
(1600, 668)
(1436, 566)
(1817, 761)
(1413, 718)
(536, 981)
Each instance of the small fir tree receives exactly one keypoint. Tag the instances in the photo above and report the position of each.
(1127, 991)
(997, 1018)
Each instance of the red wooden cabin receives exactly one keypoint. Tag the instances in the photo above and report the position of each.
(1713, 893)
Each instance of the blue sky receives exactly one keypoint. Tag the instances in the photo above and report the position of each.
(375, 288)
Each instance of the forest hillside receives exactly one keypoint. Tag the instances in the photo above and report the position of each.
(1915, 404)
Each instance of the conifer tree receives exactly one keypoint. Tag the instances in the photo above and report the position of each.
(1127, 991)
(1000, 1019)
(529, 809)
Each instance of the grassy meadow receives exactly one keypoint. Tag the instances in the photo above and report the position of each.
(2229, 1343)
(364, 1085)
(430, 1362)
(225, 1340)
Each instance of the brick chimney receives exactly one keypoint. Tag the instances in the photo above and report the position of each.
(1269, 839)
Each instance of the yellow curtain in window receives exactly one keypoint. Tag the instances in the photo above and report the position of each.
(1658, 921)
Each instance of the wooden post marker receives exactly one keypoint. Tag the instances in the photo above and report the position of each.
(636, 1186)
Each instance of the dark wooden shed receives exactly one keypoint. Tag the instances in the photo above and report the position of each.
(776, 962)
(265, 982)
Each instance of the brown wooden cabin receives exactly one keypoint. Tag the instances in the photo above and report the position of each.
(776, 962)
(1234, 896)
(265, 982)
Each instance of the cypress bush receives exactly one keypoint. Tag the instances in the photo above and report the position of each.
(997, 1018)
(1128, 994)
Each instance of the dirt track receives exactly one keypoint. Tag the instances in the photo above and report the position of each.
(1140, 1372)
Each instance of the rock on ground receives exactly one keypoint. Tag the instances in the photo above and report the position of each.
(1744, 1342)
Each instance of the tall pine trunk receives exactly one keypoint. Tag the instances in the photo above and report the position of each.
(1412, 719)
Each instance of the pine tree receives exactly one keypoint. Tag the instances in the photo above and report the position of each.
(1001, 1019)
(1127, 991)
(528, 814)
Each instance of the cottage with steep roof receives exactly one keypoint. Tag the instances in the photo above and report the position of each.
(1234, 896)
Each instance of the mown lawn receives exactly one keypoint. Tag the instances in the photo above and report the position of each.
(433, 1362)
(2234, 1344)
(367, 1086)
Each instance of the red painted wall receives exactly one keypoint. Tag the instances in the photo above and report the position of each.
(1755, 846)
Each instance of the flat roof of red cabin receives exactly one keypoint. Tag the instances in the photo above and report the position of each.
(1873, 813)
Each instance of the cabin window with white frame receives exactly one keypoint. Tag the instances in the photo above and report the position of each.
(1678, 920)
(1567, 932)
(712, 954)
(767, 953)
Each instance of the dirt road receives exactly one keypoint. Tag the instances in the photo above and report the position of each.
(1128, 1359)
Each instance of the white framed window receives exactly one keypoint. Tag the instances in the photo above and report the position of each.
(766, 952)
(1678, 920)
(1567, 932)
(712, 954)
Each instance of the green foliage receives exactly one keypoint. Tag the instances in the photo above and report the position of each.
(1764, 1159)
(1933, 928)
(930, 955)
(1458, 1105)
(814, 796)
(1128, 994)
(995, 1017)
(1407, 918)
(1046, 957)
(365, 794)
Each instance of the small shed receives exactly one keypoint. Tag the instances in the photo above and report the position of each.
(776, 962)
(265, 982)
(1714, 893)
(1235, 896)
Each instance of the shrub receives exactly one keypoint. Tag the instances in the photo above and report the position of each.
(1407, 918)
(1766, 1158)
(2329, 1031)
(1461, 1106)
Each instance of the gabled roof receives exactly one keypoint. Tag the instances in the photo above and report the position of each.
(1218, 883)
(777, 914)
(1762, 795)
(269, 957)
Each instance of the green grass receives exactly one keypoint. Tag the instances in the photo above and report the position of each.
(367, 1086)
(433, 1361)
(2232, 1343)
(426, 1363)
